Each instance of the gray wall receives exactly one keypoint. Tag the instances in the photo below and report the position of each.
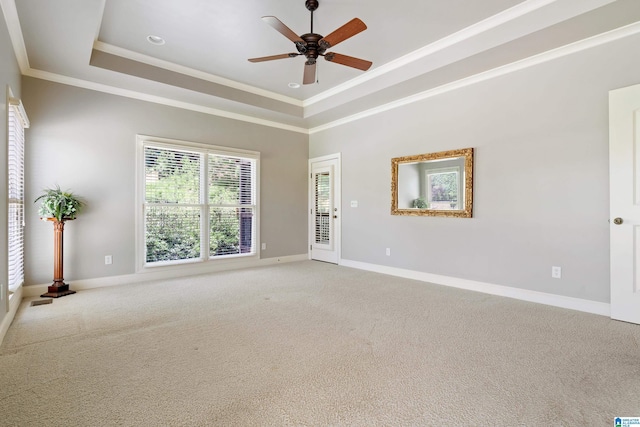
(541, 176)
(85, 141)
(9, 78)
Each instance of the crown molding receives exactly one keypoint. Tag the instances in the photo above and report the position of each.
(531, 61)
(15, 33)
(99, 87)
(135, 56)
(460, 36)
(547, 56)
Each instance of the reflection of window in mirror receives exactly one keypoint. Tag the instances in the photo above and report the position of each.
(443, 188)
(441, 184)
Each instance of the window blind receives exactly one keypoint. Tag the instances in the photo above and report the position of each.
(232, 210)
(17, 122)
(172, 204)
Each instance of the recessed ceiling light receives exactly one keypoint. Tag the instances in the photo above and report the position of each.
(294, 85)
(157, 40)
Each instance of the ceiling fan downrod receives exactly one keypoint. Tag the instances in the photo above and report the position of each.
(311, 6)
(310, 49)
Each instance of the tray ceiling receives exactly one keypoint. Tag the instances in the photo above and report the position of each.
(415, 47)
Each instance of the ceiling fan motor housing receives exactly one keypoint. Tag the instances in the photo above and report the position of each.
(311, 49)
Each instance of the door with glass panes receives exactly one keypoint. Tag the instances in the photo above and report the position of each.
(324, 209)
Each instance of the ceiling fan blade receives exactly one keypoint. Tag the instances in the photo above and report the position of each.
(349, 29)
(282, 29)
(349, 61)
(272, 57)
(309, 73)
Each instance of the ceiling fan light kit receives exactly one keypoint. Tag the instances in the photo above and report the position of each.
(312, 45)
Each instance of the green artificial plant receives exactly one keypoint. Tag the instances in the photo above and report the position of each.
(59, 204)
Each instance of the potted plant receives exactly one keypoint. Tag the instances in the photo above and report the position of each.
(58, 206)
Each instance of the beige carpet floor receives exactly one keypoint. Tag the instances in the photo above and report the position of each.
(312, 344)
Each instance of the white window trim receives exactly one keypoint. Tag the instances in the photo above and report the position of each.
(220, 262)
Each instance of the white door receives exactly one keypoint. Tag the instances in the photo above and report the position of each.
(624, 171)
(324, 209)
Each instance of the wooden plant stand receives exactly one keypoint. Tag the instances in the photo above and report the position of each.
(58, 288)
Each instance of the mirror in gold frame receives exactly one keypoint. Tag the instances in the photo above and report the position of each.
(433, 184)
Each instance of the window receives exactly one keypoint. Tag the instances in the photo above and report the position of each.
(17, 122)
(323, 208)
(199, 202)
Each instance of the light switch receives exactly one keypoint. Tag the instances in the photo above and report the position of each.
(354, 203)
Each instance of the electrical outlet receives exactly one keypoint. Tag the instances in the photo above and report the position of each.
(556, 272)
(354, 203)
(264, 246)
(108, 260)
(388, 251)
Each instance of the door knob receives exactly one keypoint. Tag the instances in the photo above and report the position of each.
(618, 221)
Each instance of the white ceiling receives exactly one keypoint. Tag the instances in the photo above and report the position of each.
(416, 46)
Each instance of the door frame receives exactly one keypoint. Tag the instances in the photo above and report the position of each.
(337, 202)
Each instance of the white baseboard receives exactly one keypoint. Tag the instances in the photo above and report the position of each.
(165, 273)
(14, 303)
(578, 304)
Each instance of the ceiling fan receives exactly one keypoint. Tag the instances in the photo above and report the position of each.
(312, 45)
